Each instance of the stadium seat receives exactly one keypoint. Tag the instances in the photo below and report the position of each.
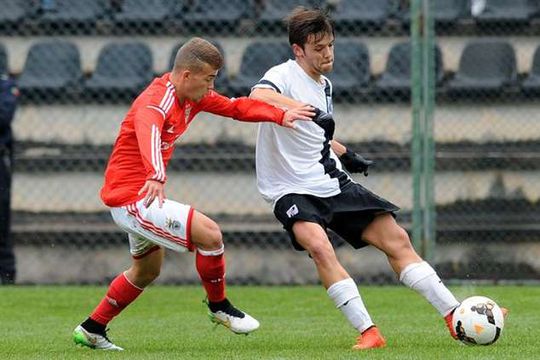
(531, 84)
(3, 60)
(395, 81)
(12, 15)
(505, 12)
(274, 11)
(353, 16)
(222, 81)
(215, 16)
(143, 15)
(123, 70)
(52, 72)
(71, 16)
(256, 60)
(444, 13)
(486, 67)
(351, 70)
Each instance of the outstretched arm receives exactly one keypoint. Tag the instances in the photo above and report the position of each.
(273, 97)
(253, 110)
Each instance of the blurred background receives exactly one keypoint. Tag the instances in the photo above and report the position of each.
(79, 63)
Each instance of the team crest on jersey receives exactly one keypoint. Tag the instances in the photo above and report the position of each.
(172, 224)
(165, 145)
(293, 210)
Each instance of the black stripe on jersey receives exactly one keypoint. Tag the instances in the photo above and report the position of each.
(328, 95)
(267, 82)
(329, 164)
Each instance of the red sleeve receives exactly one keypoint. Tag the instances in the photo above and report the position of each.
(148, 125)
(243, 108)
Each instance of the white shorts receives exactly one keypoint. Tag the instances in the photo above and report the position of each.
(147, 228)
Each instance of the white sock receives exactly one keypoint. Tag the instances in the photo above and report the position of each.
(422, 278)
(345, 295)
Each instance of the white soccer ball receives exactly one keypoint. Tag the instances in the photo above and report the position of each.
(478, 320)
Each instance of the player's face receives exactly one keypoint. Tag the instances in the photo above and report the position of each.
(200, 82)
(318, 53)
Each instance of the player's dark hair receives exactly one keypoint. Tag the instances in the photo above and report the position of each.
(303, 22)
(195, 53)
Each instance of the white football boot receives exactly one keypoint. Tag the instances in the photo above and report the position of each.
(93, 341)
(235, 320)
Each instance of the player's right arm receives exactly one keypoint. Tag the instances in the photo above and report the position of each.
(148, 122)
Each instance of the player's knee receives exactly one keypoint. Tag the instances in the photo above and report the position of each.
(146, 276)
(322, 252)
(401, 242)
(213, 238)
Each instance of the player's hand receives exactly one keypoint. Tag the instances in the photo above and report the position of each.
(305, 112)
(153, 189)
(355, 163)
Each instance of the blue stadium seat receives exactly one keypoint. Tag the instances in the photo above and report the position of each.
(531, 84)
(505, 12)
(122, 71)
(351, 71)
(147, 16)
(445, 13)
(222, 81)
(395, 81)
(274, 11)
(258, 57)
(72, 16)
(215, 16)
(13, 15)
(486, 67)
(52, 72)
(357, 17)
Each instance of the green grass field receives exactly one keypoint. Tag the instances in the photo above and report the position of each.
(296, 323)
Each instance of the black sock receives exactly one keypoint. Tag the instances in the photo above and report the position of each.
(226, 307)
(93, 326)
(217, 306)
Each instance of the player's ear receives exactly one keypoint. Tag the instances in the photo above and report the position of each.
(297, 50)
(185, 74)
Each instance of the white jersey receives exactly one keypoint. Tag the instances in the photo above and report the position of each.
(299, 160)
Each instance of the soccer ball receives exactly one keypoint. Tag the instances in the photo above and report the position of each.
(478, 320)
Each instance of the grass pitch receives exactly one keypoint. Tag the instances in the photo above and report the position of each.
(296, 323)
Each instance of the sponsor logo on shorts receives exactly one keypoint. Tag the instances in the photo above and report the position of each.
(293, 210)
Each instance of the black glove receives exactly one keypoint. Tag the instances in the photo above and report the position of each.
(355, 163)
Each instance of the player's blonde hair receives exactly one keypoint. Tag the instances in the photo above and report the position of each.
(195, 53)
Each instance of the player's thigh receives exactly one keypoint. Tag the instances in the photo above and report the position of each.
(205, 232)
(167, 226)
(385, 234)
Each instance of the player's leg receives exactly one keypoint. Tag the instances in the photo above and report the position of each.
(122, 291)
(385, 234)
(210, 262)
(341, 288)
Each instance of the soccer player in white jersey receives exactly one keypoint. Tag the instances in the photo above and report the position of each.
(300, 171)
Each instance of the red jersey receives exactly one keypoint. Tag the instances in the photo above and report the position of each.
(149, 130)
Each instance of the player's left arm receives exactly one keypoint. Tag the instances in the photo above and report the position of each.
(352, 161)
(251, 110)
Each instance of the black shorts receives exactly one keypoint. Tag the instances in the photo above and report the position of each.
(347, 213)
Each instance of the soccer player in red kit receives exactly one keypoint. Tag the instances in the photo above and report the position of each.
(134, 189)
